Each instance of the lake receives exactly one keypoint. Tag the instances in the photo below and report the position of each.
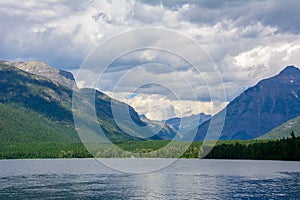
(183, 179)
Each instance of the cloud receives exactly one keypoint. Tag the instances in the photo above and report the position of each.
(245, 43)
(60, 33)
(158, 107)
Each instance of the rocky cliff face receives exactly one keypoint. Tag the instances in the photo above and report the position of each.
(60, 77)
(261, 108)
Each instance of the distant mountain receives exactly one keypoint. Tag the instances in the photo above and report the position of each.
(260, 108)
(284, 130)
(38, 107)
(188, 123)
(167, 132)
(143, 116)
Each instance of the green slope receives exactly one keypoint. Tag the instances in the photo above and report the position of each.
(28, 134)
(36, 109)
(284, 130)
(20, 124)
(49, 104)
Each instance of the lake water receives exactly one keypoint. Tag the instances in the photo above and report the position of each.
(184, 179)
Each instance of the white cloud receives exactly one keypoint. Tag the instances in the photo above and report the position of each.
(158, 107)
(246, 43)
(264, 55)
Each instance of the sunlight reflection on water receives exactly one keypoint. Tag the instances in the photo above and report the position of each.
(185, 179)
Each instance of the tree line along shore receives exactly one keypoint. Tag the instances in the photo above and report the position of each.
(282, 149)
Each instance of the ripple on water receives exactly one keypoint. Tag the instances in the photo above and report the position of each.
(183, 181)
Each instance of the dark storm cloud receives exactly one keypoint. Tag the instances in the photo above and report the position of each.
(282, 14)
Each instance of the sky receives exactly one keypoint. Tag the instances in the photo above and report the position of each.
(246, 40)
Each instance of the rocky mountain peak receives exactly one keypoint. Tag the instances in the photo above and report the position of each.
(290, 70)
(260, 108)
(290, 75)
(58, 76)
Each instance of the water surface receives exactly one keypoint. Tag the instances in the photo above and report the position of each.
(184, 179)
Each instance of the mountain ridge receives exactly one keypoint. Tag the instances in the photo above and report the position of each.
(53, 99)
(260, 108)
(40, 68)
(188, 123)
(284, 130)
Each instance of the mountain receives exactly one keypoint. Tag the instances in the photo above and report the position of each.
(284, 130)
(188, 123)
(167, 132)
(259, 109)
(58, 76)
(37, 106)
(33, 108)
(143, 116)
